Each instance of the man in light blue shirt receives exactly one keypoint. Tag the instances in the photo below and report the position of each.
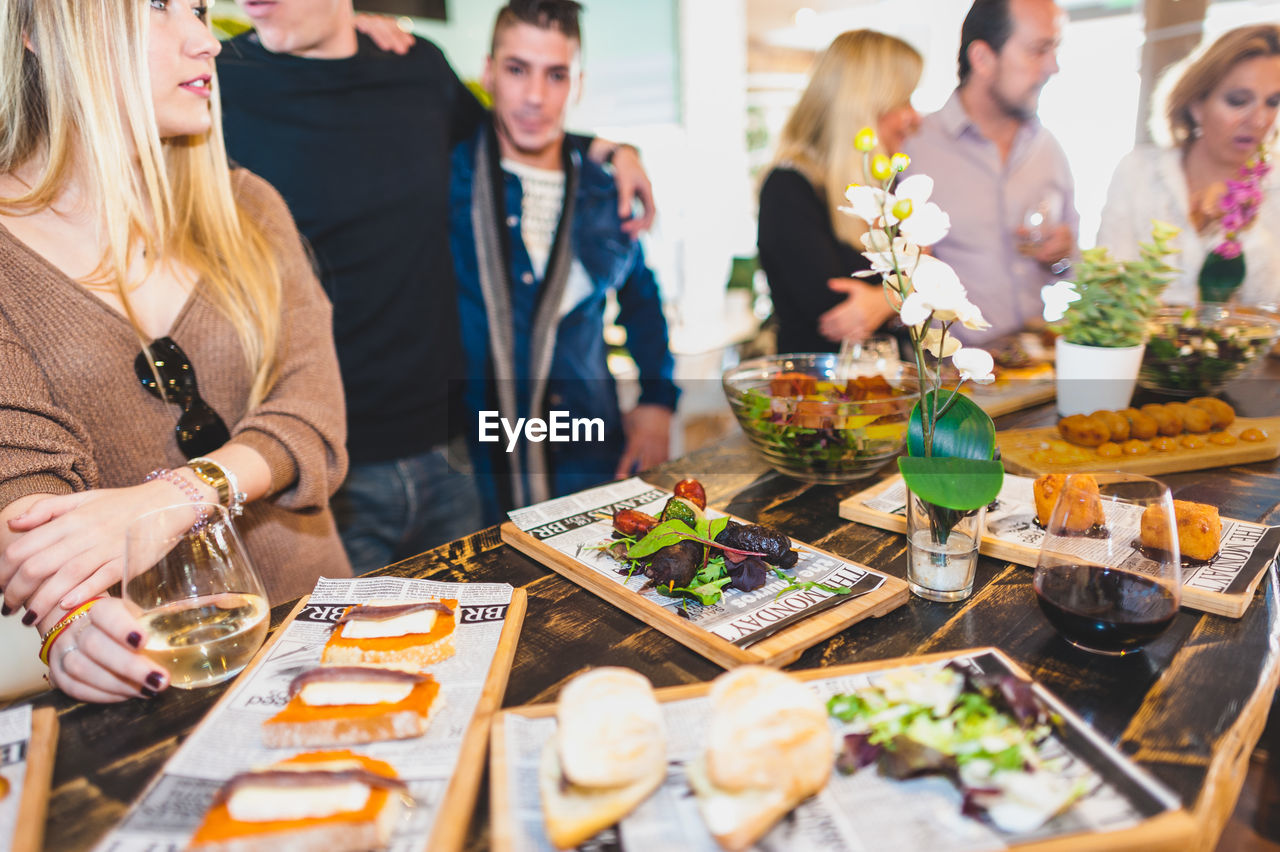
(997, 171)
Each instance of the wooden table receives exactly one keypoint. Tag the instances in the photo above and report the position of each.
(1190, 708)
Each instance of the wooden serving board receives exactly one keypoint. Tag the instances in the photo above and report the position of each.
(28, 835)
(1168, 827)
(448, 833)
(1020, 449)
(1013, 394)
(779, 649)
(1199, 591)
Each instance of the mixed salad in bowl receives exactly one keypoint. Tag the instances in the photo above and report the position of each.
(813, 422)
(1196, 350)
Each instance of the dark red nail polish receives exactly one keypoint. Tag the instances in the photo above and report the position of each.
(134, 639)
(6, 610)
(155, 679)
(147, 693)
(29, 619)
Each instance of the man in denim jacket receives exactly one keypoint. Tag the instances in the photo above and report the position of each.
(537, 246)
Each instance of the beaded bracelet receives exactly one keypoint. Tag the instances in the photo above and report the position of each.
(186, 487)
(65, 622)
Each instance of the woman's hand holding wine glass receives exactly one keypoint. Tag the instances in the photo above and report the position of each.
(199, 600)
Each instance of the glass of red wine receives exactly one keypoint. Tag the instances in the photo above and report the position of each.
(1109, 577)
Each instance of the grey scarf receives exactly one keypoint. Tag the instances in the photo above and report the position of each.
(495, 286)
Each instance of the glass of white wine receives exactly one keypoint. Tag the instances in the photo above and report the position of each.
(190, 582)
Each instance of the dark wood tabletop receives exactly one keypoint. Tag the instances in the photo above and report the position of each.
(1190, 708)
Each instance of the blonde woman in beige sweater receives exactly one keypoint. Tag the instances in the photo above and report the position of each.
(123, 231)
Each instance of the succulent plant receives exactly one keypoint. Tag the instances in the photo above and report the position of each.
(1116, 299)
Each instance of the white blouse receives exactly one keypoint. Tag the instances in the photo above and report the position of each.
(1149, 184)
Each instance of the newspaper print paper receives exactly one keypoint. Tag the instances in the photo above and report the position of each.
(1246, 548)
(862, 812)
(15, 742)
(575, 524)
(229, 740)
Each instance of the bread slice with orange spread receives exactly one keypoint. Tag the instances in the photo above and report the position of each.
(333, 801)
(409, 635)
(345, 705)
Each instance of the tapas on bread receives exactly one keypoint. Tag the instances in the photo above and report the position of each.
(409, 635)
(339, 801)
(768, 748)
(344, 705)
(607, 756)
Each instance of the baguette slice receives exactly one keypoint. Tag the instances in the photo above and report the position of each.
(368, 827)
(769, 748)
(411, 651)
(607, 756)
(574, 814)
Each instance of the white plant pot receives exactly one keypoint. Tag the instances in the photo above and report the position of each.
(1094, 377)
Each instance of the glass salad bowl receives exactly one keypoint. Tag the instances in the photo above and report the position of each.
(1196, 350)
(817, 420)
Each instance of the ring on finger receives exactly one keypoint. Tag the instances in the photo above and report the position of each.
(63, 659)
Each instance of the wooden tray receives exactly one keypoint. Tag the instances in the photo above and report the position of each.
(1018, 445)
(1170, 828)
(448, 834)
(1231, 603)
(781, 648)
(1013, 394)
(28, 835)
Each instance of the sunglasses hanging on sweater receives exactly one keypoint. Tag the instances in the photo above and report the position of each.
(199, 430)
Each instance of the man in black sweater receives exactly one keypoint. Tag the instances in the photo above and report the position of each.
(357, 141)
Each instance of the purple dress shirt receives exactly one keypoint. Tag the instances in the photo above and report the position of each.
(987, 200)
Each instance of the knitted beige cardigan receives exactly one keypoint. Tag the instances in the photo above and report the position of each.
(73, 416)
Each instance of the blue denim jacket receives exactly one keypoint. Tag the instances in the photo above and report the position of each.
(579, 380)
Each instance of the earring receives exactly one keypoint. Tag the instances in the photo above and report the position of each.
(1196, 131)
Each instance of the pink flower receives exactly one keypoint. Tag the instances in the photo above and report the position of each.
(1228, 249)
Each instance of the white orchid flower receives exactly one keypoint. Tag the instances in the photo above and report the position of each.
(933, 337)
(975, 365)
(1056, 297)
(881, 252)
(970, 316)
(867, 203)
(936, 290)
(927, 223)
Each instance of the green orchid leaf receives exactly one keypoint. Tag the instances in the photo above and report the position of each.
(953, 483)
(1220, 277)
(964, 431)
(665, 533)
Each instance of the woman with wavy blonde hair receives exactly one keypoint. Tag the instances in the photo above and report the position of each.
(808, 248)
(164, 338)
(1215, 117)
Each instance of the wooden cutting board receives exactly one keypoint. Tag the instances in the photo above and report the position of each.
(778, 649)
(1042, 450)
(458, 796)
(29, 833)
(1224, 586)
(1013, 391)
(514, 802)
